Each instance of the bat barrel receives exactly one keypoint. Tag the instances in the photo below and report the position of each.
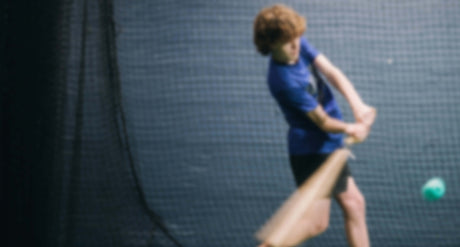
(277, 230)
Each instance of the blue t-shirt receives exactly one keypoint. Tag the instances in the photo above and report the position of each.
(297, 93)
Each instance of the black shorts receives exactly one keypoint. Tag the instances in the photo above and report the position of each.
(303, 166)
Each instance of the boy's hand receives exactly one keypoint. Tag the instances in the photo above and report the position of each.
(365, 115)
(358, 131)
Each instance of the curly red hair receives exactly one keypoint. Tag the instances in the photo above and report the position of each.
(277, 24)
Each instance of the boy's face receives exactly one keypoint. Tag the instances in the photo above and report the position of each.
(287, 52)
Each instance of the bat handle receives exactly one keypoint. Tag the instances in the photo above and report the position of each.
(368, 118)
(349, 140)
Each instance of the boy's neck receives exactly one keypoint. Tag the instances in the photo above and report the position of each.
(279, 57)
(282, 60)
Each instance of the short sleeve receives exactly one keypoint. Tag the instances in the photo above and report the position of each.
(307, 51)
(297, 98)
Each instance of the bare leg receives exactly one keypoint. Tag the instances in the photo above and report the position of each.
(313, 223)
(354, 209)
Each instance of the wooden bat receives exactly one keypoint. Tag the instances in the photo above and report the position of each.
(276, 231)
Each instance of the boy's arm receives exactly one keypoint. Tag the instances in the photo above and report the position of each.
(332, 125)
(345, 87)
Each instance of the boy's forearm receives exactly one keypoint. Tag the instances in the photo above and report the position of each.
(332, 125)
(328, 123)
(346, 88)
(340, 82)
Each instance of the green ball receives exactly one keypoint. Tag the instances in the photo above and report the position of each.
(433, 189)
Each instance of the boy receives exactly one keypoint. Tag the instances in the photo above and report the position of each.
(315, 122)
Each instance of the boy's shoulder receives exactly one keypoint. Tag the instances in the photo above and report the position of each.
(307, 51)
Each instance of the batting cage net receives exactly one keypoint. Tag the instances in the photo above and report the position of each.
(149, 123)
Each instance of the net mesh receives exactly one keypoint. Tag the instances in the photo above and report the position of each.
(149, 123)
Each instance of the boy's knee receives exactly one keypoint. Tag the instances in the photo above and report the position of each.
(354, 204)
